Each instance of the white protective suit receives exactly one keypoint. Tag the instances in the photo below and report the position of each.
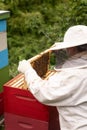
(66, 89)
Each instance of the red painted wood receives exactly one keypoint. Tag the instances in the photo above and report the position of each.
(15, 122)
(53, 119)
(22, 102)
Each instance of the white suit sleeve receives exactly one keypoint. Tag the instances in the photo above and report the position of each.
(62, 89)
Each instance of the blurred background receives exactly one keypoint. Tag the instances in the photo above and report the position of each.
(35, 25)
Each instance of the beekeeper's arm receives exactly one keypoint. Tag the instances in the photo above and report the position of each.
(61, 89)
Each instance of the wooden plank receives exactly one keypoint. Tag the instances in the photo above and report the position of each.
(3, 41)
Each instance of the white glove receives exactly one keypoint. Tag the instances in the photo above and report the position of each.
(30, 74)
(24, 66)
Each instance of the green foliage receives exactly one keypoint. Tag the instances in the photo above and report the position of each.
(35, 25)
(28, 23)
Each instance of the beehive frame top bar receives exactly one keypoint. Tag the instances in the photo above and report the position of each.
(4, 14)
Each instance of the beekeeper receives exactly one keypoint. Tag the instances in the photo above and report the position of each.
(67, 88)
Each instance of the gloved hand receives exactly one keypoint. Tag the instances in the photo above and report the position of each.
(30, 74)
(24, 65)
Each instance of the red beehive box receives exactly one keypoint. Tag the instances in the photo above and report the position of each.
(22, 102)
(16, 122)
(1, 103)
(20, 105)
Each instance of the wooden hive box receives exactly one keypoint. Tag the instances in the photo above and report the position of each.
(21, 106)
